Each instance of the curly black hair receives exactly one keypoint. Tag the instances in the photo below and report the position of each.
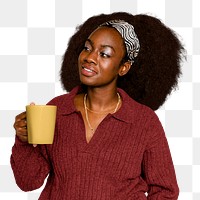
(156, 69)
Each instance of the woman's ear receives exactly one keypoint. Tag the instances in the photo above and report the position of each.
(124, 68)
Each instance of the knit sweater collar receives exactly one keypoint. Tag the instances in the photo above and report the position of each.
(126, 113)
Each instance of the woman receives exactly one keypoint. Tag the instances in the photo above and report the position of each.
(109, 143)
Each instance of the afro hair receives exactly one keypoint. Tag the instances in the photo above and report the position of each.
(156, 69)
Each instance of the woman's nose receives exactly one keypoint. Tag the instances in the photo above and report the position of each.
(92, 57)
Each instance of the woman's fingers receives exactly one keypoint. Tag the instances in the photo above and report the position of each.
(23, 138)
(20, 116)
(20, 126)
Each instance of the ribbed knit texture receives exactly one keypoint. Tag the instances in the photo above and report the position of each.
(127, 157)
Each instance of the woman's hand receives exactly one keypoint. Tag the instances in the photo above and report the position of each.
(20, 126)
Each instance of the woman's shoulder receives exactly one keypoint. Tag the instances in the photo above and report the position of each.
(59, 99)
(135, 106)
(64, 97)
(135, 111)
(65, 102)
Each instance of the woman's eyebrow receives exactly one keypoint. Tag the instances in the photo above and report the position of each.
(90, 41)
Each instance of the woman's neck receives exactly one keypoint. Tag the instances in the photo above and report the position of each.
(101, 99)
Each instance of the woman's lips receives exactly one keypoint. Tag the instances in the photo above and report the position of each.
(86, 71)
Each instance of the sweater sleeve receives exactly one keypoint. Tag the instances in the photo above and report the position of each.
(158, 166)
(30, 165)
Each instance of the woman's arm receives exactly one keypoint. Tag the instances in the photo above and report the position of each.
(30, 165)
(158, 166)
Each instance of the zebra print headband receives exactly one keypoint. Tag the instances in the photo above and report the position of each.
(128, 34)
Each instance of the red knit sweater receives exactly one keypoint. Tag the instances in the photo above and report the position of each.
(127, 157)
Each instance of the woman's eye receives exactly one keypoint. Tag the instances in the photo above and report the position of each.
(86, 48)
(105, 55)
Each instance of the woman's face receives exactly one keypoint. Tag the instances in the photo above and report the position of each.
(99, 62)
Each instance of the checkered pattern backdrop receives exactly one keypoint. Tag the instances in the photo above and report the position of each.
(33, 38)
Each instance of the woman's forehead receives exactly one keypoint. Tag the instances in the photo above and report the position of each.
(106, 34)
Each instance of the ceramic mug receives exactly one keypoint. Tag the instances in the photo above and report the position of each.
(41, 123)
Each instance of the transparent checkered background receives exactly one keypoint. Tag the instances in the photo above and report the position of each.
(33, 38)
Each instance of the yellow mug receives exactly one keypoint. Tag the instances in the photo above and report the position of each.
(41, 123)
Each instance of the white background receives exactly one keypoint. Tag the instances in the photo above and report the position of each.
(33, 38)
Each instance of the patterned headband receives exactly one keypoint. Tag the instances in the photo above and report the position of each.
(128, 34)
